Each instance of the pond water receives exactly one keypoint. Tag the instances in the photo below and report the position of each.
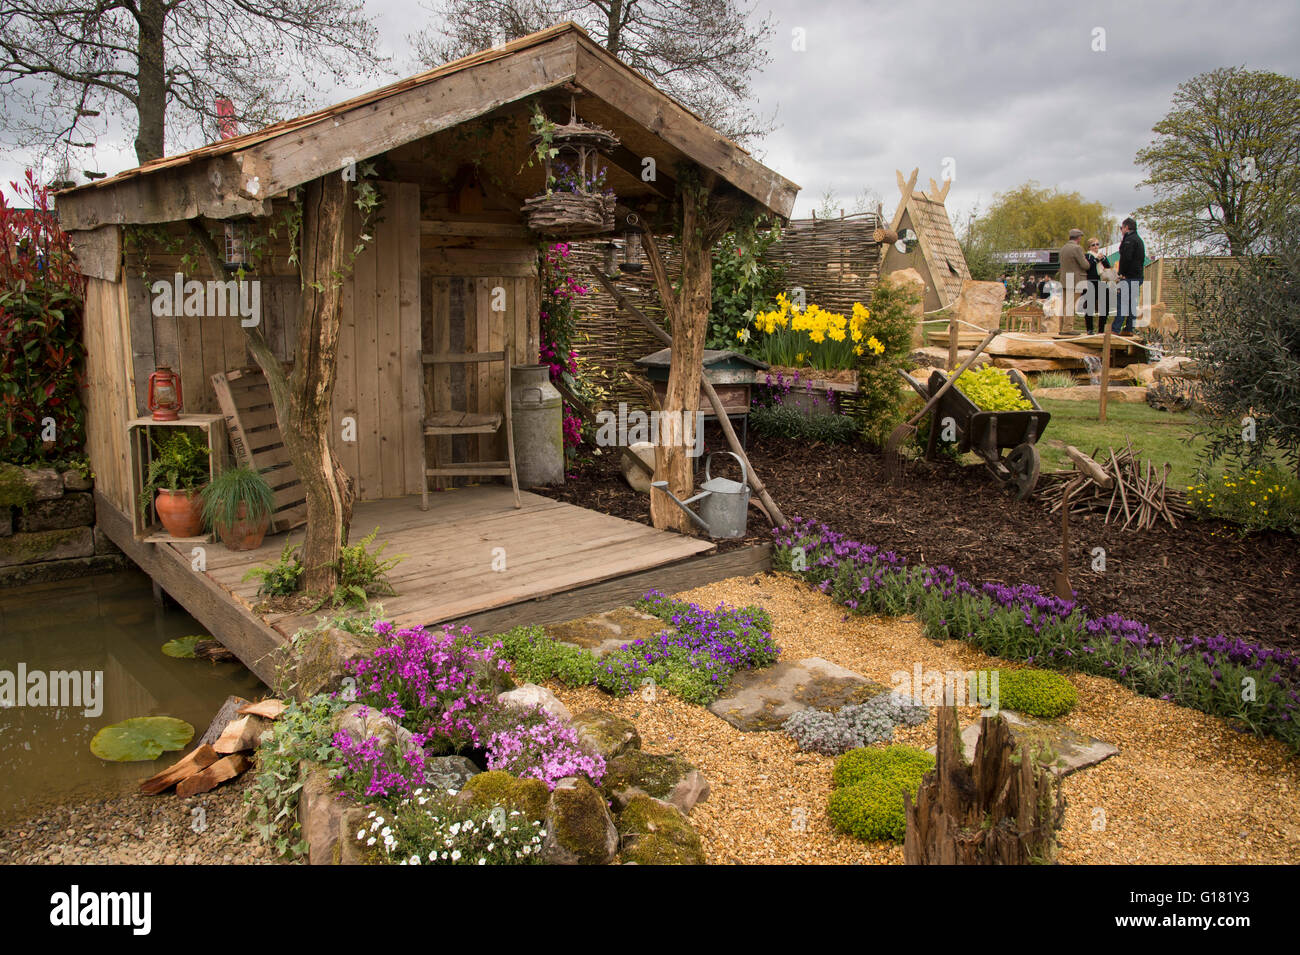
(107, 627)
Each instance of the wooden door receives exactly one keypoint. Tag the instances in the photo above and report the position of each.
(377, 431)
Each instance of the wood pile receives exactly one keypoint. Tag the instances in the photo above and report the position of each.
(1002, 809)
(221, 753)
(1118, 485)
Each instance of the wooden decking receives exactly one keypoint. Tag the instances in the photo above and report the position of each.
(560, 561)
(449, 552)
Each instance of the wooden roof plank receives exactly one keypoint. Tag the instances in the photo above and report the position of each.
(237, 176)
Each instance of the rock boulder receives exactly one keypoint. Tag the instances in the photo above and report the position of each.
(579, 827)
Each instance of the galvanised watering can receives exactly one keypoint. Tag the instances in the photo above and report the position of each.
(724, 503)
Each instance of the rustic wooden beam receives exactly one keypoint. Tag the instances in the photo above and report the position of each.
(633, 95)
(241, 183)
(99, 251)
(773, 511)
(205, 187)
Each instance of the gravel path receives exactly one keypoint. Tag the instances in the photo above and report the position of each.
(1185, 787)
(139, 830)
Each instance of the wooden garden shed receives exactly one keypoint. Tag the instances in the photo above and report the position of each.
(450, 267)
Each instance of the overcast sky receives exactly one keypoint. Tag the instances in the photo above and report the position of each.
(1004, 92)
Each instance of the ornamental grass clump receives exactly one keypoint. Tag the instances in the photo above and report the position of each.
(543, 748)
(1255, 685)
(697, 659)
(439, 684)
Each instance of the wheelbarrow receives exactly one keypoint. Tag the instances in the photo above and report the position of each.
(989, 433)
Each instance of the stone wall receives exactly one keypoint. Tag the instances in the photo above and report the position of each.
(47, 527)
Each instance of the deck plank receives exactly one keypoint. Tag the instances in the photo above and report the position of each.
(551, 548)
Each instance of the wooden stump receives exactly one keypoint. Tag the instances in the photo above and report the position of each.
(1002, 809)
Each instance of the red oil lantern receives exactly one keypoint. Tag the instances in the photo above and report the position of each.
(165, 399)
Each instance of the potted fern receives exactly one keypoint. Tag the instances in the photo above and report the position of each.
(176, 475)
(238, 504)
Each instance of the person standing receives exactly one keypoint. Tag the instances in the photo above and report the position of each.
(1073, 276)
(1132, 259)
(1095, 306)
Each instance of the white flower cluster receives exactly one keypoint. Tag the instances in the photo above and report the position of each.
(427, 832)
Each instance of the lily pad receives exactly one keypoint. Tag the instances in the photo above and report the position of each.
(141, 738)
(183, 647)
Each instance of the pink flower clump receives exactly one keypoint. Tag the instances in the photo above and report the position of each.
(432, 682)
(548, 751)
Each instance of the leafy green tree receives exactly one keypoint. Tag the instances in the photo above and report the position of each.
(1034, 217)
(1225, 161)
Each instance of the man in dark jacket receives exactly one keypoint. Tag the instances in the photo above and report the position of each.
(1132, 258)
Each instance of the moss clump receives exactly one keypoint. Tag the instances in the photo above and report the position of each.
(579, 823)
(14, 489)
(37, 545)
(1036, 693)
(655, 833)
(659, 850)
(868, 800)
(652, 773)
(497, 788)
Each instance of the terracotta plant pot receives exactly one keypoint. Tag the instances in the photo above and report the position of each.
(243, 534)
(181, 512)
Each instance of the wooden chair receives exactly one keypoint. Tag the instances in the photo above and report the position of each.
(453, 423)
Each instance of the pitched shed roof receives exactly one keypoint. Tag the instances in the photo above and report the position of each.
(238, 176)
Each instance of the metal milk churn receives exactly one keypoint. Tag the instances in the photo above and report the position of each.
(724, 504)
(537, 414)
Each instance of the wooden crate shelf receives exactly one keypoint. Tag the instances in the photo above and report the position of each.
(139, 435)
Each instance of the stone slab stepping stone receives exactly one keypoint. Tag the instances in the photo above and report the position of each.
(764, 699)
(603, 633)
(1074, 750)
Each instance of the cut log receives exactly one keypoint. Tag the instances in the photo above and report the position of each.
(219, 772)
(1002, 809)
(201, 758)
(241, 734)
(270, 709)
(1088, 466)
(229, 711)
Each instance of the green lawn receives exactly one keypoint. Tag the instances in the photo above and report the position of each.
(1161, 435)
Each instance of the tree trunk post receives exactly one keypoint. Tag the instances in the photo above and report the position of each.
(688, 319)
(1002, 809)
(302, 397)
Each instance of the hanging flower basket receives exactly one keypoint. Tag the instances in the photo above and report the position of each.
(570, 215)
(576, 203)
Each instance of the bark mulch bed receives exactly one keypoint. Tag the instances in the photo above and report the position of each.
(1203, 578)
